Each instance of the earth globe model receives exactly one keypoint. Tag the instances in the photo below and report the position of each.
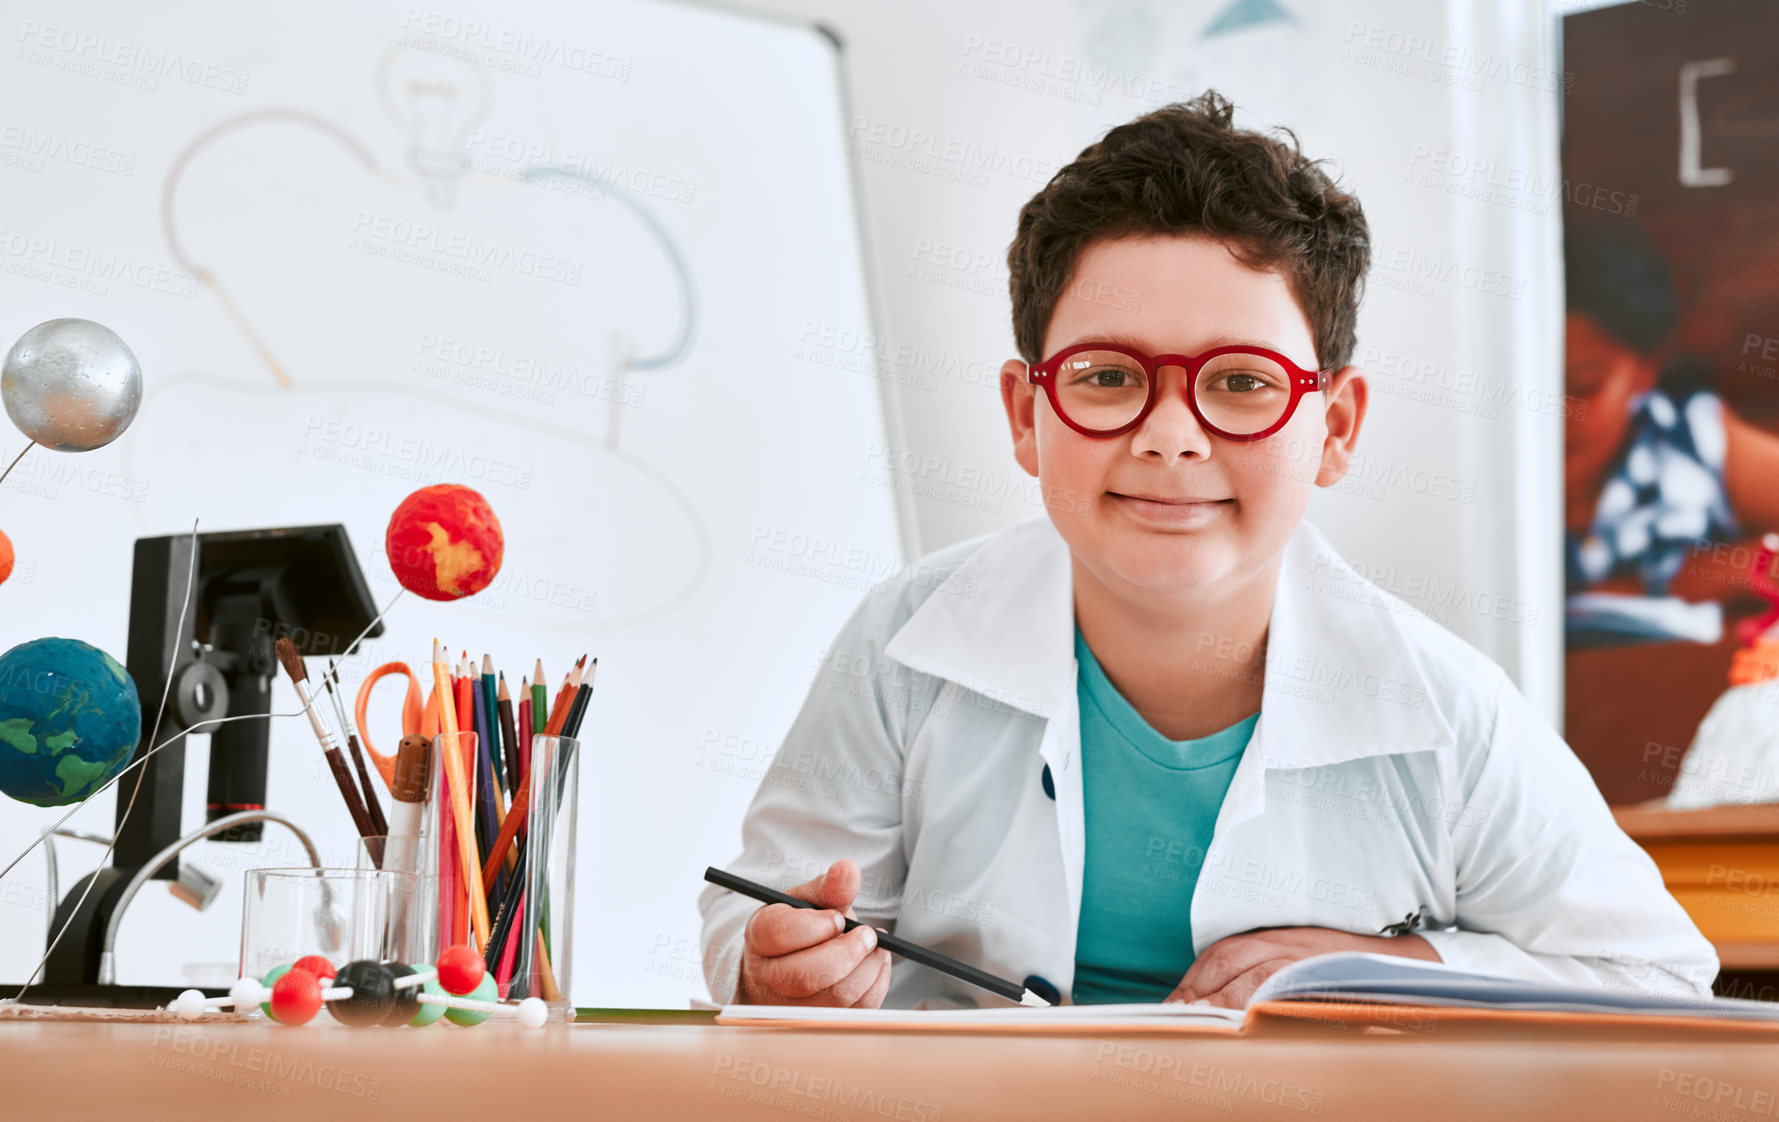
(69, 719)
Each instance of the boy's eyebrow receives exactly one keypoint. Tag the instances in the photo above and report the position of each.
(1129, 340)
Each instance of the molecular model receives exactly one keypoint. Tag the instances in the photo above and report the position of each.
(456, 987)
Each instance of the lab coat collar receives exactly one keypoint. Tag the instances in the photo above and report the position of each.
(1342, 677)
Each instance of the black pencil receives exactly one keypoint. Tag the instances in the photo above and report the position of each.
(577, 709)
(913, 952)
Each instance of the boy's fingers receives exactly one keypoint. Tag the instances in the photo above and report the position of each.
(852, 989)
(804, 974)
(834, 889)
(779, 929)
(1222, 962)
(874, 996)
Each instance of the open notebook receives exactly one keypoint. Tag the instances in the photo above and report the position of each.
(1346, 977)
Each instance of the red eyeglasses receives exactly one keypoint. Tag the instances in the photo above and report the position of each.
(1237, 392)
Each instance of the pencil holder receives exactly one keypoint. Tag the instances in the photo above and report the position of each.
(414, 891)
(543, 958)
(343, 915)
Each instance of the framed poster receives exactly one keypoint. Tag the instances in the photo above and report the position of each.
(1671, 436)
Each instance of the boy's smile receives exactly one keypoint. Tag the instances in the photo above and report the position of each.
(1167, 513)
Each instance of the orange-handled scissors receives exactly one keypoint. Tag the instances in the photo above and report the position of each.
(417, 717)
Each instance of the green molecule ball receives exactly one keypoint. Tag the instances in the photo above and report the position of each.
(69, 720)
(272, 975)
(428, 1014)
(486, 991)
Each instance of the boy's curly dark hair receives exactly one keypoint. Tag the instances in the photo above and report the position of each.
(1185, 169)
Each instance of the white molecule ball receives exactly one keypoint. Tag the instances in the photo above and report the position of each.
(246, 993)
(533, 1012)
(189, 1006)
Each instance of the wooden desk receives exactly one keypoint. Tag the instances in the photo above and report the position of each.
(1722, 865)
(614, 1072)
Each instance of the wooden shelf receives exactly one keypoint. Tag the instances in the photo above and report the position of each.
(1652, 821)
(1747, 956)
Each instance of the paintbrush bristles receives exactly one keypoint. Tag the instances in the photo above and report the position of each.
(293, 662)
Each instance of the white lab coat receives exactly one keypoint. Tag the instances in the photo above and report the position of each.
(1395, 771)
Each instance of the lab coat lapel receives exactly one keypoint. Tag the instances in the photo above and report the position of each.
(1341, 682)
(1012, 638)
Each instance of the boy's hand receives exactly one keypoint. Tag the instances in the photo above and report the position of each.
(797, 956)
(1231, 969)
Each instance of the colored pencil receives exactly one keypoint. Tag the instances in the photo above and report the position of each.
(490, 697)
(509, 736)
(487, 823)
(578, 710)
(467, 865)
(539, 703)
(530, 853)
(517, 814)
(527, 727)
(503, 977)
(913, 952)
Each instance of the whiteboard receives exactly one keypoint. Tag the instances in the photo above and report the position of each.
(601, 262)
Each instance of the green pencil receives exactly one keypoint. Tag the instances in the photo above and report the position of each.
(540, 701)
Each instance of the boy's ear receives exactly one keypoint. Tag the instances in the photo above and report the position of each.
(1020, 398)
(1344, 414)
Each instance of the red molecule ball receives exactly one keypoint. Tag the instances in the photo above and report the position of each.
(316, 965)
(460, 969)
(444, 542)
(296, 997)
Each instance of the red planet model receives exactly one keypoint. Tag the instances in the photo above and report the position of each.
(444, 542)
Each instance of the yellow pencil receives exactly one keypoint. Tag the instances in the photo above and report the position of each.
(466, 838)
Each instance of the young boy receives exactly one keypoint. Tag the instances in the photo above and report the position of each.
(1162, 741)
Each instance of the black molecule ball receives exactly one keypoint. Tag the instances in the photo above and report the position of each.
(373, 993)
(404, 1003)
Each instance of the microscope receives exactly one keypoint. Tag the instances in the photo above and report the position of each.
(249, 589)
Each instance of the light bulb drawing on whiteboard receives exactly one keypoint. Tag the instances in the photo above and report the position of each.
(436, 104)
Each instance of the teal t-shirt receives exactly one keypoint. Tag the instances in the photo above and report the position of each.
(1151, 804)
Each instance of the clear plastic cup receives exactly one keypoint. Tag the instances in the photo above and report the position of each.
(343, 915)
